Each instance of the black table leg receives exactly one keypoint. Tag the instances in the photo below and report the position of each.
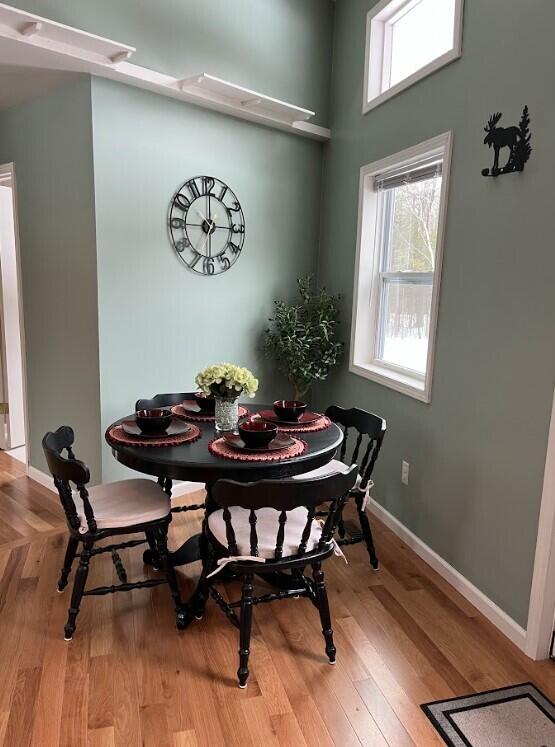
(189, 551)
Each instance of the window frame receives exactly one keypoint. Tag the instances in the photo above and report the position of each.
(367, 293)
(377, 60)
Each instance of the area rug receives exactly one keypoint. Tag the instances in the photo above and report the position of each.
(517, 716)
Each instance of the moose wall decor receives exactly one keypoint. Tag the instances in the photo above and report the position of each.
(516, 139)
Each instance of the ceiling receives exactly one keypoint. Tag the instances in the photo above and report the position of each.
(18, 84)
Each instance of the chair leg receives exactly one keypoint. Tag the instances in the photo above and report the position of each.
(161, 538)
(324, 610)
(71, 549)
(367, 533)
(245, 630)
(202, 593)
(166, 483)
(78, 589)
(150, 556)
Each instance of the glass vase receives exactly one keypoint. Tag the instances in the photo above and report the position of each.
(226, 414)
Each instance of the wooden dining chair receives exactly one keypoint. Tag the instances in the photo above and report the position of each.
(168, 400)
(368, 433)
(270, 527)
(92, 514)
(368, 428)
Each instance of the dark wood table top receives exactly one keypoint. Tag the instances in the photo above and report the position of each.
(194, 462)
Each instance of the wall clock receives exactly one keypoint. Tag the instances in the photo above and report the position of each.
(207, 225)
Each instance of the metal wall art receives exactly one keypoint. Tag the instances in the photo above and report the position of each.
(516, 139)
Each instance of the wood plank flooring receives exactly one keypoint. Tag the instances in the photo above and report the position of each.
(130, 678)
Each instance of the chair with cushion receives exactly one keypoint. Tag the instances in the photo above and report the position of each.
(166, 483)
(124, 507)
(270, 527)
(371, 428)
(168, 400)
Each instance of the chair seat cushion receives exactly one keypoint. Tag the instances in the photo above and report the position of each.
(124, 503)
(267, 526)
(330, 468)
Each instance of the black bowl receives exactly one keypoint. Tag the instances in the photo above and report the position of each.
(257, 433)
(290, 410)
(206, 402)
(153, 421)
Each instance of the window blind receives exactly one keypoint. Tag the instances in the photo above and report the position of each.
(416, 172)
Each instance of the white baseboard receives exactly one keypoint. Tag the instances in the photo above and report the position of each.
(19, 453)
(41, 477)
(179, 489)
(484, 604)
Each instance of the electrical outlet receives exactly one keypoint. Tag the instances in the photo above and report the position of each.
(405, 472)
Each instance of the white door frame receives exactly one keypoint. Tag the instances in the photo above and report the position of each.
(541, 613)
(7, 173)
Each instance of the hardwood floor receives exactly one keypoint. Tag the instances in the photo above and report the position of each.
(128, 677)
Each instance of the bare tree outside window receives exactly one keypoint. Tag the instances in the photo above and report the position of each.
(411, 215)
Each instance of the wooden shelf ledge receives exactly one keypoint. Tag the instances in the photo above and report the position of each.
(35, 30)
(32, 41)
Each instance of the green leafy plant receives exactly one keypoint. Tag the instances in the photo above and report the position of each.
(302, 336)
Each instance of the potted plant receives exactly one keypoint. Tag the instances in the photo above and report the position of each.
(302, 336)
(226, 382)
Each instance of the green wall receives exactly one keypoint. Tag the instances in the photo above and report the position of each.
(159, 323)
(477, 452)
(277, 47)
(50, 141)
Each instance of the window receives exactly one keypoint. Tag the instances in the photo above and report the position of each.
(407, 40)
(398, 269)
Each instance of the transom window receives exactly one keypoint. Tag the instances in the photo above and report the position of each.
(407, 40)
(403, 203)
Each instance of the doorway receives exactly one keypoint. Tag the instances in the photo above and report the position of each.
(13, 429)
(541, 623)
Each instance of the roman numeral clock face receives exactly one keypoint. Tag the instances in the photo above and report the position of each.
(207, 225)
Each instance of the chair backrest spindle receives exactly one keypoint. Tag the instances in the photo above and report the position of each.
(343, 449)
(280, 535)
(229, 532)
(307, 529)
(254, 536)
(354, 458)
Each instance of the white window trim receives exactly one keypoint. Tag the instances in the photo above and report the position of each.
(365, 295)
(374, 63)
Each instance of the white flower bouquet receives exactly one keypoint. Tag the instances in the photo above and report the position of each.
(227, 381)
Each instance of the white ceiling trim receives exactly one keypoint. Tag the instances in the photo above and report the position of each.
(32, 41)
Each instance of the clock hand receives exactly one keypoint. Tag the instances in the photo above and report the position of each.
(202, 248)
(200, 215)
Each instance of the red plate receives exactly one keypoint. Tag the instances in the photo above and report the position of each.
(281, 441)
(306, 418)
(175, 428)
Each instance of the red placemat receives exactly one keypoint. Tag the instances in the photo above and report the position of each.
(116, 435)
(220, 448)
(180, 412)
(318, 425)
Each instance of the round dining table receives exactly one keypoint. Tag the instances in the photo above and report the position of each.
(194, 462)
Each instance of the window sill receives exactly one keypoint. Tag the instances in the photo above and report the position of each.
(400, 382)
(431, 67)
